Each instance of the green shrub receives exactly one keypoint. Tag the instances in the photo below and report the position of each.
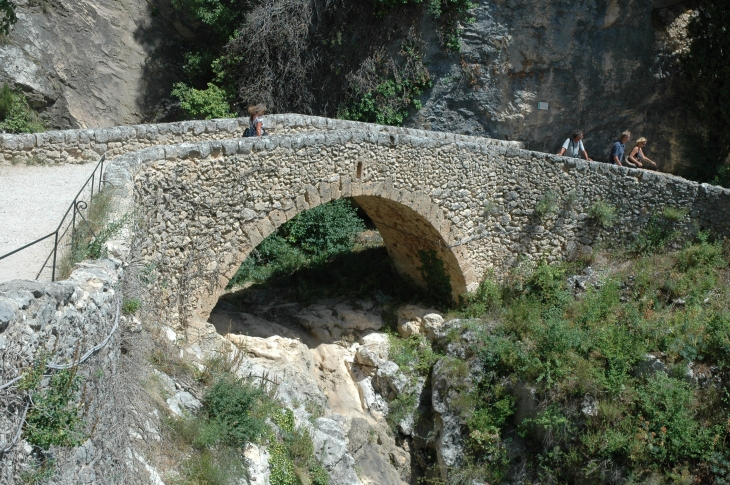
(232, 407)
(603, 213)
(674, 214)
(210, 468)
(704, 254)
(39, 473)
(207, 104)
(282, 467)
(487, 297)
(547, 282)
(54, 417)
(7, 16)
(16, 116)
(7, 99)
(658, 232)
(293, 459)
(722, 177)
(668, 424)
(330, 228)
(413, 354)
(547, 204)
(131, 306)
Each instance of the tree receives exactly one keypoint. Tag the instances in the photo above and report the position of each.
(7, 16)
(706, 70)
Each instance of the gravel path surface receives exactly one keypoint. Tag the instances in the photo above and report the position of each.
(32, 201)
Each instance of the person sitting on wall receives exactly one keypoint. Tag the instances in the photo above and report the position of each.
(637, 157)
(573, 147)
(618, 149)
(256, 120)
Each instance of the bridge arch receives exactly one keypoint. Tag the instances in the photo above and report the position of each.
(408, 223)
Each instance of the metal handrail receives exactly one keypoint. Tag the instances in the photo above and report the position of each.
(76, 206)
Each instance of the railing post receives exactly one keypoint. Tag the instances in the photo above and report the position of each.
(55, 253)
(73, 226)
(101, 173)
(92, 185)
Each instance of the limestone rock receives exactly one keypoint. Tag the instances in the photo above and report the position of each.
(183, 400)
(257, 459)
(432, 324)
(379, 460)
(449, 425)
(409, 328)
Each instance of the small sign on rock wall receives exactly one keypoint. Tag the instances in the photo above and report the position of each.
(543, 106)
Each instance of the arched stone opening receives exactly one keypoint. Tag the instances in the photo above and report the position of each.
(408, 222)
(405, 234)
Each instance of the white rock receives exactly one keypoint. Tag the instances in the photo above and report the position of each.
(590, 406)
(183, 400)
(170, 334)
(432, 323)
(257, 458)
(409, 328)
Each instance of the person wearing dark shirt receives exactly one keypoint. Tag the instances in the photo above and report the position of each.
(637, 156)
(618, 149)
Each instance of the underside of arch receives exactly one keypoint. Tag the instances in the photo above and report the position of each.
(405, 234)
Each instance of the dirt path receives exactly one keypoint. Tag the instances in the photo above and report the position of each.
(33, 200)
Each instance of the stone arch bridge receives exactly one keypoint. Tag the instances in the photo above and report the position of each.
(207, 197)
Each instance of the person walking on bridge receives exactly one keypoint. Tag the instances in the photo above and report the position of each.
(618, 149)
(573, 147)
(256, 120)
(637, 156)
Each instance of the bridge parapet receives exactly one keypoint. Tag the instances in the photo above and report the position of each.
(83, 145)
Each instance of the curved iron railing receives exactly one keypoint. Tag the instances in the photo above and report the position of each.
(77, 207)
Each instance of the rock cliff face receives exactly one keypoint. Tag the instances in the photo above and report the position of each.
(602, 66)
(87, 63)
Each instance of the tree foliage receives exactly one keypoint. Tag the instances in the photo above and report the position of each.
(207, 104)
(327, 228)
(706, 70)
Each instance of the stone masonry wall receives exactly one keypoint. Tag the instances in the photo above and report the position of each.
(62, 321)
(206, 205)
(81, 146)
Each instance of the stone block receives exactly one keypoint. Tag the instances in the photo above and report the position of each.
(277, 218)
(252, 233)
(265, 227)
(345, 186)
(325, 192)
(301, 203)
(312, 196)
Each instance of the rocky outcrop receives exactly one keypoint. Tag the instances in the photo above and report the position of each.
(73, 323)
(602, 66)
(92, 63)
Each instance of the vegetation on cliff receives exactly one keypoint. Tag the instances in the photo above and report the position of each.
(16, 116)
(360, 61)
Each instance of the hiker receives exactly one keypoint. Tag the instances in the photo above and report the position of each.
(573, 147)
(256, 120)
(618, 149)
(637, 156)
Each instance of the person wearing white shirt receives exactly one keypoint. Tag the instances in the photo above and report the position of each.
(573, 147)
